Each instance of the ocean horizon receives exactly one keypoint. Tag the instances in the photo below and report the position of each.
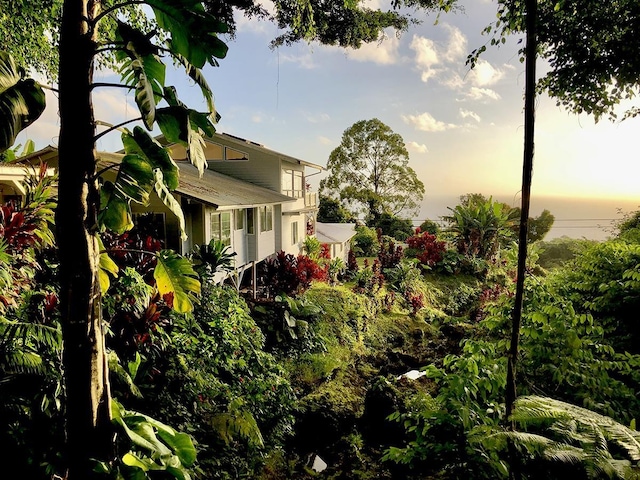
(590, 218)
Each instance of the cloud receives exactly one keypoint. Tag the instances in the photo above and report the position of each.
(443, 63)
(324, 140)
(304, 60)
(427, 123)
(417, 147)
(457, 46)
(114, 107)
(255, 25)
(484, 74)
(383, 52)
(259, 117)
(469, 114)
(426, 56)
(476, 93)
(319, 118)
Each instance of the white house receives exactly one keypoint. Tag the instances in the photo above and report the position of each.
(252, 198)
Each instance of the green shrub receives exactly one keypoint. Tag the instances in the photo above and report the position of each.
(365, 242)
(215, 382)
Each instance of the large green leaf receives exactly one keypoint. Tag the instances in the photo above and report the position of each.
(135, 179)
(134, 182)
(170, 202)
(115, 211)
(142, 69)
(193, 30)
(198, 77)
(141, 143)
(175, 275)
(185, 126)
(22, 101)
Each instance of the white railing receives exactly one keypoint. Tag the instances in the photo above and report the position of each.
(311, 199)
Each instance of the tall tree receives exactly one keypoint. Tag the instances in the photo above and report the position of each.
(66, 40)
(331, 210)
(370, 172)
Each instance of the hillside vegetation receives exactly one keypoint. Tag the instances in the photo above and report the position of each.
(391, 366)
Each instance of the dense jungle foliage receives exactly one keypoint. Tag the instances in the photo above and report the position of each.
(388, 366)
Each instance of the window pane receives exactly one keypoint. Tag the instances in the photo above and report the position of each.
(235, 154)
(214, 152)
(294, 233)
(250, 227)
(215, 226)
(287, 182)
(239, 219)
(225, 228)
(269, 214)
(297, 185)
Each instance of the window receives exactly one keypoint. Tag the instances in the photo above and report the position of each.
(231, 154)
(294, 233)
(292, 183)
(266, 218)
(221, 227)
(219, 153)
(215, 152)
(250, 228)
(239, 219)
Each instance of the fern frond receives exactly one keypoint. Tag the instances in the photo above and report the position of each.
(578, 436)
(20, 362)
(237, 421)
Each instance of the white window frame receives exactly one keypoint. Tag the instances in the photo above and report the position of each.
(221, 233)
(266, 218)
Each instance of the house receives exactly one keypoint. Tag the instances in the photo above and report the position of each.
(251, 198)
(338, 236)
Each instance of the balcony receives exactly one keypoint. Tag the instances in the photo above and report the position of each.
(311, 199)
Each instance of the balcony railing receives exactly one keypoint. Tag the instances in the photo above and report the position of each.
(311, 199)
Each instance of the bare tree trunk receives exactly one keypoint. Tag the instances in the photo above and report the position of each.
(87, 414)
(527, 173)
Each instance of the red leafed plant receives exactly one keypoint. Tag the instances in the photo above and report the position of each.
(288, 274)
(429, 250)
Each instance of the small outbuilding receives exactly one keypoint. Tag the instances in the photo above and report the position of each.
(338, 236)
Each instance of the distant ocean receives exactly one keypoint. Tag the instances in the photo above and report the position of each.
(590, 218)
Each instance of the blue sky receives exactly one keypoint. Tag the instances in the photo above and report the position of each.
(463, 128)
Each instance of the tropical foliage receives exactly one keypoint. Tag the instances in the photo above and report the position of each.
(479, 227)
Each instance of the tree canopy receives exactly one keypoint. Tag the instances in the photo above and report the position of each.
(370, 172)
(31, 29)
(591, 47)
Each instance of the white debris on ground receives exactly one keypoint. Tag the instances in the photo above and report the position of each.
(412, 374)
(318, 464)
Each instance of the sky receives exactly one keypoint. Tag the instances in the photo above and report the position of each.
(463, 128)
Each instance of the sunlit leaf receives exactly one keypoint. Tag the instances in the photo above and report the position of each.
(106, 267)
(174, 274)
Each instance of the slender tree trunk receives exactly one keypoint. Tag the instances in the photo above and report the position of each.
(88, 426)
(527, 173)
